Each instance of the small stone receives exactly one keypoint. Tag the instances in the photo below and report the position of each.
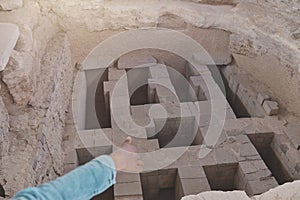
(262, 97)
(271, 107)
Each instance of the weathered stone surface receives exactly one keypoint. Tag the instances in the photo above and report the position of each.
(26, 41)
(37, 142)
(18, 76)
(9, 36)
(18, 17)
(10, 4)
(51, 93)
(293, 133)
(286, 191)
(216, 195)
(4, 125)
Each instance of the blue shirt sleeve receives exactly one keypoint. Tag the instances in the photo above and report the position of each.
(82, 183)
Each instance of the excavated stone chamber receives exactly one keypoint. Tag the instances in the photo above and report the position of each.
(199, 109)
(209, 92)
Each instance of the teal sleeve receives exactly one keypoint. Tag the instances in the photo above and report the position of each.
(82, 183)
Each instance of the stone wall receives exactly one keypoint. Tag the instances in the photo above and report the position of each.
(36, 29)
(37, 129)
(36, 89)
(4, 126)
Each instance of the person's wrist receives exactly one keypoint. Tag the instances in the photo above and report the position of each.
(115, 160)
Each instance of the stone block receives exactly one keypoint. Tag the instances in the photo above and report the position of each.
(108, 86)
(260, 186)
(124, 177)
(242, 139)
(148, 145)
(71, 158)
(120, 102)
(194, 186)
(191, 172)
(262, 97)
(128, 189)
(271, 107)
(215, 42)
(223, 156)
(248, 167)
(9, 36)
(209, 159)
(248, 150)
(159, 71)
(115, 74)
(258, 175)
(254, 108)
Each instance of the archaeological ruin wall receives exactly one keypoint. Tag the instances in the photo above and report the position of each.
(52, 120)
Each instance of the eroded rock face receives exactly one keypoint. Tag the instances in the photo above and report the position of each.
(4, 125)
(4, 141)
(216, 195)
(287, 191)
(36, 131)
(17, 77)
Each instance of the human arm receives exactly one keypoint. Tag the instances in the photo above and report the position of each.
(88, 180)
(82, 183)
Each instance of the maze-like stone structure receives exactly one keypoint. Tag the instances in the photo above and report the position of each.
(195, 129)
(192, 159)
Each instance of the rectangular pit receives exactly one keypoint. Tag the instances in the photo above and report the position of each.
(159, 185)
(137, 79)
(222, 177)
(265, 144)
